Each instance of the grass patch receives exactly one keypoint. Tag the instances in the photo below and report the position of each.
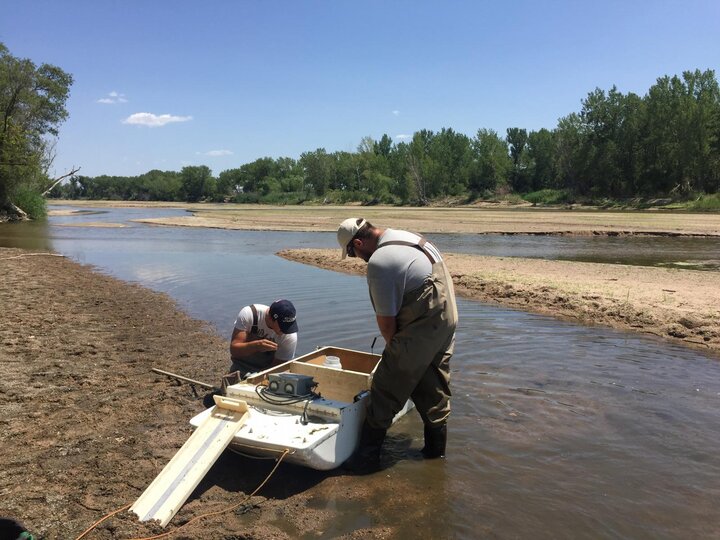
(31, 202)
(706, 203)
(549, 197)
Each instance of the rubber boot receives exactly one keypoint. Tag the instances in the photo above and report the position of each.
(435, 441)
(13, 530)
(366, 458)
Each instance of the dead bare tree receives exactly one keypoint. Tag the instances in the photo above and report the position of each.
(56, 181)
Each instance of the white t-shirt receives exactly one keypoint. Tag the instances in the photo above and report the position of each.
(394, 270)
(286, 342)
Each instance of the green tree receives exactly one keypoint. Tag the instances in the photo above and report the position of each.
(229, 182)
(682, 131)
(492, 164)
(32, 107)
(451, 156)
(402, 184)
(568, 139)
(197, 182)
(383, 147)
(517, 140)
(541, 155)
(420, 166)
(318, 169)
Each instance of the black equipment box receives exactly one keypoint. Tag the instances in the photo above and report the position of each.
(290, 384)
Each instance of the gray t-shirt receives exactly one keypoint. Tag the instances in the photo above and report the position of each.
(394, 270)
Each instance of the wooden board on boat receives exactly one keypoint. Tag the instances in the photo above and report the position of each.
(171, 488)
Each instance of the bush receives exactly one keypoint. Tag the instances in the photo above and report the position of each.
(31, 202)
(282, 198)
(549, 196)
(706, 203)
(247, 198)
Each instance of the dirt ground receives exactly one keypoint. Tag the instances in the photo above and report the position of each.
(86, 425)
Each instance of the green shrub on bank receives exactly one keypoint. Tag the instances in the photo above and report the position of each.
(30, 202)
(706, 203)
(549, 197)
(284, 198)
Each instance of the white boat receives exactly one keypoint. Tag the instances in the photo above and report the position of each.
(317, 432)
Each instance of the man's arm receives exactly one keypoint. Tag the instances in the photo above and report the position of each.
(387, 326)
(240, 346)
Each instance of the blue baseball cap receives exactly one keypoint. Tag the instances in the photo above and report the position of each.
(283, 312)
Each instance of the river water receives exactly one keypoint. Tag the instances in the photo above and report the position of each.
(557, 431)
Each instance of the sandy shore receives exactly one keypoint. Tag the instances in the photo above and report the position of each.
(497, 219)
(678, 305)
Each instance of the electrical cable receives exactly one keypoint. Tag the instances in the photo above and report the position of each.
(247, 497)
(269, 396)
(99, 521)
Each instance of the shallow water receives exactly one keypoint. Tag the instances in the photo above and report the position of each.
(558, 430)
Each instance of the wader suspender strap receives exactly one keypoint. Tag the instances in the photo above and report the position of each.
(420, 245)
(254, 328)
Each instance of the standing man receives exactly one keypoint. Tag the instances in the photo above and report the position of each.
(414, 301)
(263, 337)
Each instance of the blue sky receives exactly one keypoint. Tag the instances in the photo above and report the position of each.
(163, 84)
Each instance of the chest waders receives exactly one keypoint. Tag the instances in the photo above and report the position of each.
(416, 362)
(255, 362)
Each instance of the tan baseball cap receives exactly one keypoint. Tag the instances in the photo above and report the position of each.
(347, 230)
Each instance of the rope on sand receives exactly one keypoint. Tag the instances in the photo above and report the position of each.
(285, 452)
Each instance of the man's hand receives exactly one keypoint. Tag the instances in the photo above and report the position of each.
(241, 347)
(263, 345)
(387, 326)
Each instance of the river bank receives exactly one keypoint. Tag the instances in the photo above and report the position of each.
(488, 219)
(674, 304)
(86, 424)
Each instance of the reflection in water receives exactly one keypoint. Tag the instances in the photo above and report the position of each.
(33, 235)
(688, 252)
(558, 430)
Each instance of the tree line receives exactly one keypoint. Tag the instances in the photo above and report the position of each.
(32, 107)
(665, 144)
(618, 146)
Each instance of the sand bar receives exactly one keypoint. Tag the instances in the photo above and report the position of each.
(675, 304)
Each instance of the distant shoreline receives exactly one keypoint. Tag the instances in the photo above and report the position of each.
(499, 219)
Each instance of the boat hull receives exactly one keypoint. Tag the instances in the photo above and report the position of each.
(321, 433)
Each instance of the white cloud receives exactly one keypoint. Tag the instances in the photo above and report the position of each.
(396, 113)
(217, 153)
(402, 136)
(112, 98)
(154, 120)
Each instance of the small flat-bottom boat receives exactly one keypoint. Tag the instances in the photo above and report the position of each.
(312, 407)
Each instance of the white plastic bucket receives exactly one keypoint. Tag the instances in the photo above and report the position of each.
(333, 362)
